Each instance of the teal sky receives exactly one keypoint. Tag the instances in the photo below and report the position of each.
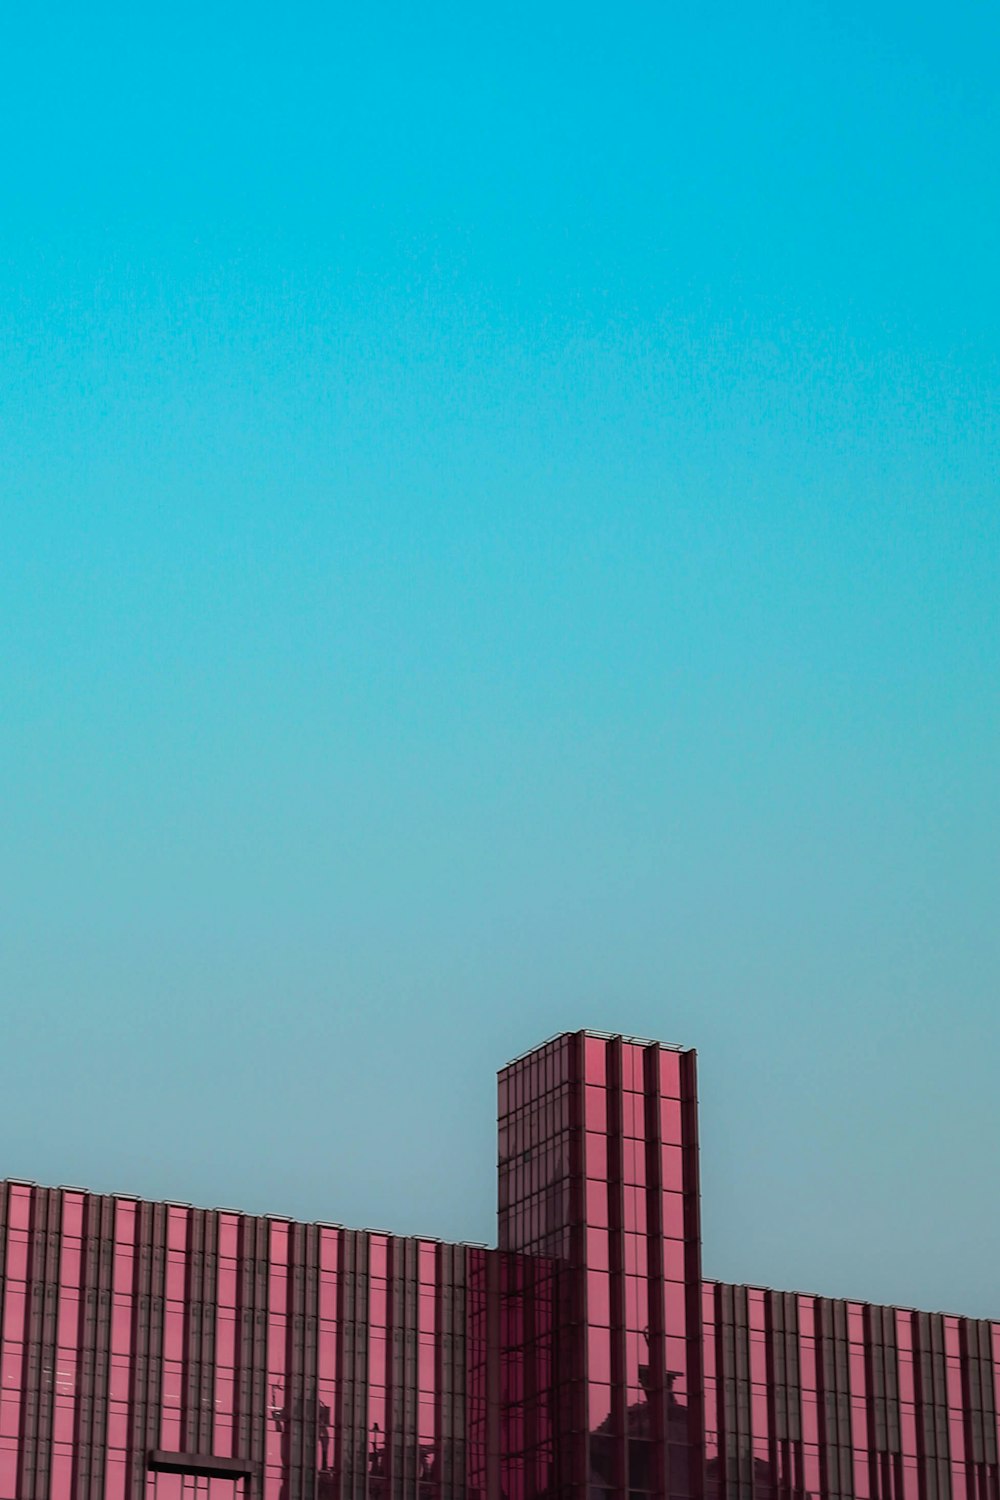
(499, 532)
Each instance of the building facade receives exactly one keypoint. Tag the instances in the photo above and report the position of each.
(154, 1351)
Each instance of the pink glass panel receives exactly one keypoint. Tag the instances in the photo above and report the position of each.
(597, 1250)
(229, 1236)
(633, 1116)
(170, 1429)
(72, 1215)
(114, 1479)
(597, 1204)
(758, 1362)
(856, 1362)
(19, 1208)
(676, 1352)
(672, 1168)
(670, 1122)
(177, 1228)
(226, 1285)
(17, 1257)
(124, 1272)
(634, 1209)
(598, 1298)
(173, 1333)
(62, 1473)
(597, 1156)
(636, 1304)
(859, 1422)
(595, 1108)
(599, 1355)
(670, 1074)
(378, 1256)
(636, 1253)
(634, 1162)
(13, 1315)
(632, 1067)
(636, 1365)
(673, 1215)
(176, 1275)
(595, 1059)
(329, 1242)
(759, 1421)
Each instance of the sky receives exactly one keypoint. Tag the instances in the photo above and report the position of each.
(499, 533)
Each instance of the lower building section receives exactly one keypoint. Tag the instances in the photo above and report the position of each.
(157, 1350)
(809, 1396)
(154, 1351)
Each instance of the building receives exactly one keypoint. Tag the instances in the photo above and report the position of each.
(153, 1351)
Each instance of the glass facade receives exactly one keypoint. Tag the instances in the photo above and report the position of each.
(154, 1351)
(846, 1401)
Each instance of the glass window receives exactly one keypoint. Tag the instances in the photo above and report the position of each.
(670, 1075)
(595, 1108)
(595, 1059)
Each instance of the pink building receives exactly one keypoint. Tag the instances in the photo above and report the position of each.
(153, 1351)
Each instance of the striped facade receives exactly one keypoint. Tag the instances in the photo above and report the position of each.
(154, 1351)
(844, 1400)
(143, 1340)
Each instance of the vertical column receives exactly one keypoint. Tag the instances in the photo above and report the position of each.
(327, 1363)
(67, 1335)
(480, 1469)
(199, 1333)
(956, 1415)
(12, 1274)
(251, 1394)
(709, 1330)
(736, 1430)
(672, 1378)
(351, 1431)
(858, 1378)
(811, 1469)
(378, 1455)
(836, 1455)
(94, 1345)
(454, 1419)
(400, 1435)
(541, 1218)
(122, 1330)
(784, 1386)
(147, 1345)
(760, 1414)
(279, 1400)
(14, 1362)
(300, 1412)
(979, 1407)
(994, 1342)
(174, 1328)
(40, 1344)
(910, 1483)
(225, 1441)
(598, 1294)
(428, 1371)
(884, 1433)
(931, 1406)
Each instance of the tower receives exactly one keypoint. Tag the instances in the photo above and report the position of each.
(598, 1184)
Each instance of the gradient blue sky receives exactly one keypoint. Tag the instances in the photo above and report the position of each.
(500, 532)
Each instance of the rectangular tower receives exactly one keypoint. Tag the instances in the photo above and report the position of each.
(599, 1177)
